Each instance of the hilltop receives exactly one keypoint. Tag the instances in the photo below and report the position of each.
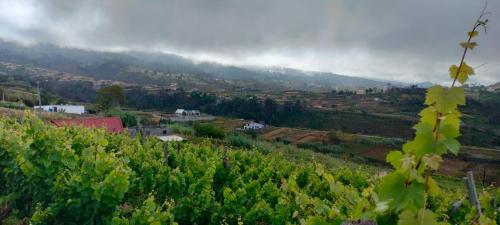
(161, 69)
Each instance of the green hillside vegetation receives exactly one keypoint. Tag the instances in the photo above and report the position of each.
(80, 176)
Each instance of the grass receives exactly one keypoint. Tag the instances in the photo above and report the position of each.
(13, 105)
(182, 129)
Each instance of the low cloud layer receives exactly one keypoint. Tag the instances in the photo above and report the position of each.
(409, 41)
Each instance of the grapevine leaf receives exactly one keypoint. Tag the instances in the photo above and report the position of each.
(472, 33)
(452, 145)
(401, 194)
(422, 217)
(450, 125)
(394, 158)
(456, 95)
(316, 220)
(432, 161)
(463, 74)
(445, 100)
(428, 116)
(470, 45)
(483, 220)
(433, 186)
(423, 142)
(407, 162)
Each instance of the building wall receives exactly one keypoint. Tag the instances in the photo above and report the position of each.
(73, 109)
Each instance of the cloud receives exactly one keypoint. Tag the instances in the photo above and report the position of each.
(389, 39)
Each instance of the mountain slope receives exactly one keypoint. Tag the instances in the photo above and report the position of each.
(162, 69)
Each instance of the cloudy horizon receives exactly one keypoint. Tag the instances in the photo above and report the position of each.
(407, 41)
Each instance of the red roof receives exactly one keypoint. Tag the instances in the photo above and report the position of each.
(112, 124)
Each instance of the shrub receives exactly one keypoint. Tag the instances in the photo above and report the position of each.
(13, 105)
(239, 141)
(128, 119)
(182, 129)
(208, 130)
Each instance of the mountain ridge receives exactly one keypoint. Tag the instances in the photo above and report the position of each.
(155, 68)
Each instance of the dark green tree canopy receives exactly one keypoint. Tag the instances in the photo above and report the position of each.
(110, 97)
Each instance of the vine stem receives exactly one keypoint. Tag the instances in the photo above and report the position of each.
(438, 114)
(476, 25)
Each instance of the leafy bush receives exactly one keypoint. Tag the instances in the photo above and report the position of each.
(182, 129)
(239, 141)
(13, 105)
(128, 119)
(208, 130)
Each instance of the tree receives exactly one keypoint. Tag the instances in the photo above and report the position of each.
(208, 130)
(110, 97)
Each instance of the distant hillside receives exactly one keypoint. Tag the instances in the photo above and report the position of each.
(494, 87)
(158, 69)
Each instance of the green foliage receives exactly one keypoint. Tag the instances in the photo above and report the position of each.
(149, 213)
(128, 119)
(208, 130)
(380, 141)
(239, 141)
(182, 129)
(320, 147)
(57, 175)
(110, 97)
(13, 105)
(80, 176)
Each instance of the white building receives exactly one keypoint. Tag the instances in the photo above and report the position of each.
(183, 112)
(73, 109)
(169, 138)
(253, 126)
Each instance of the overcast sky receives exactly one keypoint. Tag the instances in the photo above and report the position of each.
(404, 40)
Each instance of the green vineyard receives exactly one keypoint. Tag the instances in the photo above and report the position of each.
(80, 176)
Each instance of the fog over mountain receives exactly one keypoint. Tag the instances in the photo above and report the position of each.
(409, 41)
(160, 70)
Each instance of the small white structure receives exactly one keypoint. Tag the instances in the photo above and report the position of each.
(73, 109)
(168, 138)
(360, 92)
(183, 112)
(253, 126)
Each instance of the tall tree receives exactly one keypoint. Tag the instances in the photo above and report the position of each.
(110, 97)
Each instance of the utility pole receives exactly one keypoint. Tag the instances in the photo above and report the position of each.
(39, 97)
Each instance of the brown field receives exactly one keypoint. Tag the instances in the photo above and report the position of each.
(294, 135)
(483, 162)
(228, 124)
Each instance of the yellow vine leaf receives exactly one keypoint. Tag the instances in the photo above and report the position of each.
(394, 158)
(429, 116)
(432, 161)
(463, 74)
(483, 220)
(472, 34)
(433, 186)
(470, 45)
(450, 125)
(445, 100)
